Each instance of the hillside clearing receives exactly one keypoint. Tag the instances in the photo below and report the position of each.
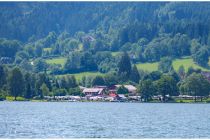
(115, 53)
(148, 66)
(47, 49)
(59, 60)
(186, 62)
(79, 76)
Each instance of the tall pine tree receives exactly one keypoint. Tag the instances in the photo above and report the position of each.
(2, 76)
(134, 76)
(16, 83)
(124, 67)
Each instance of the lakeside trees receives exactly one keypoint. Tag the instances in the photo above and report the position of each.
(166, 85)
(16, 83)
(195, 85)
(146, 89)
(31, 85)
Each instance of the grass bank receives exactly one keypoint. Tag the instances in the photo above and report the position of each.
(57, 60)
(11, 98)
(185, 61)
(79, 76)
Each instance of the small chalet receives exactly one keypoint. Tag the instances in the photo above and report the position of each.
(5, 60)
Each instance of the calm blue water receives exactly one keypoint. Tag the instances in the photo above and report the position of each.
(103, 120)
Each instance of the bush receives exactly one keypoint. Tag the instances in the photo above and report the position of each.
(2, 95)
(75, 91)
(11, 98)
(208, 100)
(60, 92)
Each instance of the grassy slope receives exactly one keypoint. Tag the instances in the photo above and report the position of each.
(59, 60)
(148, 66)
(47, 49)
(79, 76)
(115, 53)
(186, 62)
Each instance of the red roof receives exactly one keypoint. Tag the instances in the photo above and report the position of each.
(113, 95)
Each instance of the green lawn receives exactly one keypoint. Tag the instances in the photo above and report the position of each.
(47, 49)
(59, 60)
(148, 66)
(11, 98)
(79, 76)
(186, 62)
(80, 47)
(115, 53)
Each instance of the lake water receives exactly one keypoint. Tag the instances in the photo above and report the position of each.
(103, 120)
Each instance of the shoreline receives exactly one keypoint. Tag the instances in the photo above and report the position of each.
(204, 102)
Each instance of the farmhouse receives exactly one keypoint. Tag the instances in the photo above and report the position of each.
(93, 91)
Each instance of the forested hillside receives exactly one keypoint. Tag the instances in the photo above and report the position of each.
(22, 21)
(114, 39)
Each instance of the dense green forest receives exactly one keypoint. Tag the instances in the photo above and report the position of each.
(42, 41)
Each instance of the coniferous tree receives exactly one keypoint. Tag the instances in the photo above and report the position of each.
(71, 81)
(122, 90)
(2, 76)
(98, 81)
(181, 72)
(134, 76)
(201, 57)
(44, 90)
(16, 83)
(124, 66)
(165, 65)
(28, 91)
(63, 83)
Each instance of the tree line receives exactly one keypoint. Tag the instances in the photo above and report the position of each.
(166, 81)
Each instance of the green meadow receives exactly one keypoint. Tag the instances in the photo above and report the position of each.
(186, 62)
(79, 76)
(58, 60)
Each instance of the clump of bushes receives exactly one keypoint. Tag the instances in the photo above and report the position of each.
(2, 95)
(10, 98)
